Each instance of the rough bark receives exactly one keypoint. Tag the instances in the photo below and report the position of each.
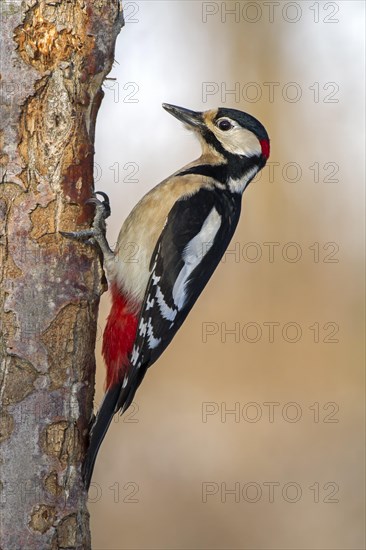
(55, 56)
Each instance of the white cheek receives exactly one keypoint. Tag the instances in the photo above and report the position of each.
(240, 142)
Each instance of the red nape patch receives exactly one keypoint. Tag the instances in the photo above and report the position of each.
(265, 147)
(118, 338)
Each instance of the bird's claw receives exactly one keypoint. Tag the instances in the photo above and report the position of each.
(98, 228)
(85, 235)
(102, 207)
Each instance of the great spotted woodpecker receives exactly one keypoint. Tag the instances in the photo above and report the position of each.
(180, 231)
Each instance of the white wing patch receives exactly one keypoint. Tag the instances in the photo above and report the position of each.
(238, 186)
(193, 254)
(145, 329)
(149, 302)
(153, 342)
(167, 312)
(135, 355)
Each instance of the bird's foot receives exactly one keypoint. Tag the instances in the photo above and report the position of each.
(97, 232)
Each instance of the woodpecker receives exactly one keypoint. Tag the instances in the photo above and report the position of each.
(179, 232)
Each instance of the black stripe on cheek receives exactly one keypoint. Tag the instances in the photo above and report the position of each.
(235, 168)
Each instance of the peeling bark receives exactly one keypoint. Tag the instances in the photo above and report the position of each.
(55, 56)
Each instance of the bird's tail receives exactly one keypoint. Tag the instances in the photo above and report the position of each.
(99, 429)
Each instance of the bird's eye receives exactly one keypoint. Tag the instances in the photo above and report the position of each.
(224, 125)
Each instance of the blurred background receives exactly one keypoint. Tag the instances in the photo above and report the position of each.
(248, 432)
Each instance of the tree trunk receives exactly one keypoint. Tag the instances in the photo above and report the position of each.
(55, 56)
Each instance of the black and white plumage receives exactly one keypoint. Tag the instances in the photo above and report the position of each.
(192, 243)
(181, 229)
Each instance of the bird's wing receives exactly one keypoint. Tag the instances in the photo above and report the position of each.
(197, 232)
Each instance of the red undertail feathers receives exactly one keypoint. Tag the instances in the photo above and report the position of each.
(118, 338)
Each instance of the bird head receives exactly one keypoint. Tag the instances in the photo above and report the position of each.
(229, 131)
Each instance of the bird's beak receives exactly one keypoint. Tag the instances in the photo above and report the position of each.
(191, 118)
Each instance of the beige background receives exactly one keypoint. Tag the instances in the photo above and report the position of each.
(164, 475)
